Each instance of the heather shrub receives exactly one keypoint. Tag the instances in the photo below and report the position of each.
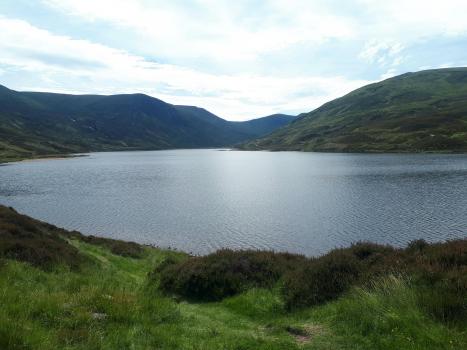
(28, 240)
(440, 270)
(224, 273)
(321, 279)
(445, 299)
(117, 247)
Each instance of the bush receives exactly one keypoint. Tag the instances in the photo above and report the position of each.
(417, 246)
(371, 252)
(117, 247)
(327, 277)
(321, 280)
(224, 273)
(446, 298)
(41, 252)
(440, 270)
(29, 240)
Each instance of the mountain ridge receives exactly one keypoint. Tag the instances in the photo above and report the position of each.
(42, 123)
(422, 111)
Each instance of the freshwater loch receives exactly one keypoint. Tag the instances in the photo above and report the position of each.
(202, 200)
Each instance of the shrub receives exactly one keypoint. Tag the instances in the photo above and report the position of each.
(29, 240)
(445, 256)
(117, 247)
(446, 298)
(321, 280)
(41, 252)
(417, 246)
(371, 252)
(225, 273)
(440, 270)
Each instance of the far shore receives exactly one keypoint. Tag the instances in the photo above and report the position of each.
(42, 158)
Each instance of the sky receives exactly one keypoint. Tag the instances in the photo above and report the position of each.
(238, 59)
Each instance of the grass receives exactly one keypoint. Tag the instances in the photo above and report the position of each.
(109, 305)
(414, 112)
(387, 315)
(112, 301)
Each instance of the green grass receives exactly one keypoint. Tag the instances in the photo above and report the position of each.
(387, 315)
(62, 290)
(111, 304)
(414, 112)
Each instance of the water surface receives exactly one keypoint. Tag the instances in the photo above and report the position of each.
(202, 200)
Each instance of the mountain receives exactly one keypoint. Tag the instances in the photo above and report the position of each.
(414, 112)
(38, 123)
(265, 125)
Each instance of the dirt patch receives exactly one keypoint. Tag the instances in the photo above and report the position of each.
(305, 334)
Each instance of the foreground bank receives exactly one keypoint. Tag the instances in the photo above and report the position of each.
(63, 290)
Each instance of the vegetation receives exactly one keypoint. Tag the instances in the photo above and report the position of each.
(414, 112)
(40, 244)
(34, 124)
(384, 298)
(225, 273)
(117, 247)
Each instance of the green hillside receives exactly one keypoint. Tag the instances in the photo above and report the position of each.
(64, 290)
(265, 125)
(37, 124)
(414, 112)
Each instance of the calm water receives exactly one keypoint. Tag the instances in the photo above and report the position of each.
(201, 200)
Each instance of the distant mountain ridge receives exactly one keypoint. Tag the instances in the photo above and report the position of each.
(265, 125)
(39, 123)
(415, 112)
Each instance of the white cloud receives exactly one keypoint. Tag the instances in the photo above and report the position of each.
(411, 19)
(382, 52)
(386, 54)
(240, 59)
(62, 62)
(221, 30)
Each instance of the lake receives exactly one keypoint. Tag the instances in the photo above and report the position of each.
(202, 200)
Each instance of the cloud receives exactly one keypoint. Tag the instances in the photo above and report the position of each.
(68, 65)
(240, 59)
(382, 52)
(218, 30)
(413, 19)
(386, 54)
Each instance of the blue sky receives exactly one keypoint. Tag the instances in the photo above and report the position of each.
(238, 59)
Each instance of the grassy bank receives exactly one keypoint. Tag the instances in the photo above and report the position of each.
(18, 157)
(62, 290)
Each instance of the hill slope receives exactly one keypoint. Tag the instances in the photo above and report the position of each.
(265, 125)
(413, 112)
(36, 123)
(64, 290)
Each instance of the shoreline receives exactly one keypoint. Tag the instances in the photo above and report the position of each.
(224, 149)
(42, 158)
